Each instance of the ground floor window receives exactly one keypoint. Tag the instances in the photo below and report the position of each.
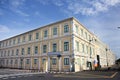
(35, 61)
(66, 61)
(53, 61)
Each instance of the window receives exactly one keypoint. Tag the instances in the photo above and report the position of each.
(44, 48)
(5, 53)
(16, 61)
(53, 61)
(81, 32)
(8, 52)
(86, 49)
(83, 61)
(82, 47)
(28, 61)
(30, 37)
(54, 47)
(66, 28)
(89, 37)
(45, 33)
(1, 53)
(14, 41)
(90, 51)
(7, 62)
(28, 50)
(23, 38)
(18, 40)
(12, 52)
(66, 46)
(36, 49)
(6, 43)
(11, 62)
(22, 51)
(35, 61)
(10, 42)
(86, 35)
(17, 51)
(54, 31)
(76, 27)
(37, 35)
(66, 61)
(77, 45)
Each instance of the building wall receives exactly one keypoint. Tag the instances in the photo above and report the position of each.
(83, 46)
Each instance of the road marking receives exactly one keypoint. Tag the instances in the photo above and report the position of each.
(13, 77)
(113, 75)
(91, 76)
(5, 78)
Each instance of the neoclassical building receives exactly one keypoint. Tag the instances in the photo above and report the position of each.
(65, 45)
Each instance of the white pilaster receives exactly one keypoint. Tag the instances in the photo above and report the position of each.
(18, 62)
(49, 47)
(31, 63)
(60, 29)
(60, 64)
(59, 45)
(24, 63)
(39, 63)
(48, 63)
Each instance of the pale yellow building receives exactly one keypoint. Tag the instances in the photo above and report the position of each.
(61, 46)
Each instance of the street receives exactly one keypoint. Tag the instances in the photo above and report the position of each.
(84, 75)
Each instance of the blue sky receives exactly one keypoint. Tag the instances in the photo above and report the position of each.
(102, 17)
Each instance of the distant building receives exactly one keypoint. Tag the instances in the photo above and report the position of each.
(61, 46)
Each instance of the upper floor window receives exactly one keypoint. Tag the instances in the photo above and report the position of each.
(10, 42)
(36, 49)
(66, 61)
(37, 35)
(44, 48)
(76, 28)
(18, 40)
(14, 41)
(30, 37)
(8, 52)
(55, 31)
(54, 47)
(5, 53)
(86, 35)
(77, 45)
(82, 32)
(23, 38)
(66, 28)
(6, 43)
(0, 45)
(82, 47)
(54, 61)
(12, 52)
(45, 33)
(66, 46)
(86, 49)
(1, 53)
(29, 50)
(22, 51)
(17, 51)
(90, 51)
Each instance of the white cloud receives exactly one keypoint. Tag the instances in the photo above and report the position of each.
(4, 28)
(84, 7)
(16, 6)
(91, 7)
(21, 13)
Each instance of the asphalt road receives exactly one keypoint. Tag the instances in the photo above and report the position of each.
(85, 75)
